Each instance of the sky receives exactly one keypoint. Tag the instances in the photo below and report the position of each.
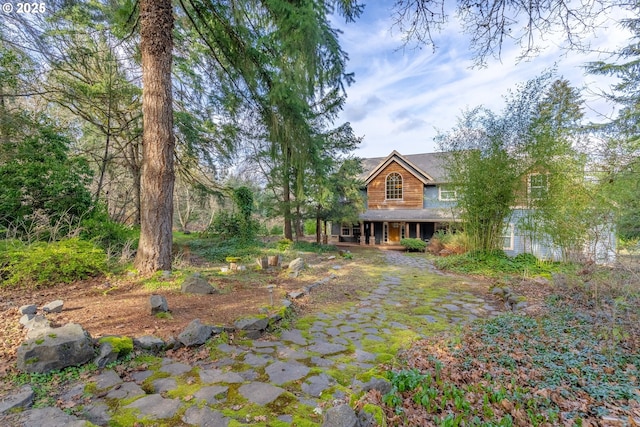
(402, 97)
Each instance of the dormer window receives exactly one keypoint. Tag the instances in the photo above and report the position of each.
(394, 186)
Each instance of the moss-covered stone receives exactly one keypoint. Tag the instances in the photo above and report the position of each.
(377, 412)
(123, 345)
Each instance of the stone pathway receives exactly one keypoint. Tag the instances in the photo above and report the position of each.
(291, 377)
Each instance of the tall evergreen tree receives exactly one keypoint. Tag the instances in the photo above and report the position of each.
(619, 152)
(157, 179)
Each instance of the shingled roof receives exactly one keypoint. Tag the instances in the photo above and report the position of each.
(430, 165)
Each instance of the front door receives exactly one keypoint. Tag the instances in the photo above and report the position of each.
(394, 232)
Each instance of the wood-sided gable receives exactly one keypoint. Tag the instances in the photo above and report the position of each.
(413, 181)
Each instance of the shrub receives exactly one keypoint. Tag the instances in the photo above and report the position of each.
(219, 251)
(303, 246)
(276, 230)
(456, 243)
(413, 245)
(310, 227)
(496, 264)
(227, 225)
(41, 180)
(110, 235)
(452, 243)
(283, 244)
(43, 264)
(435, 245)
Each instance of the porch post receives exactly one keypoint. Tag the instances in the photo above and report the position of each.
(363, 238)
(417, 230)
(372, 234)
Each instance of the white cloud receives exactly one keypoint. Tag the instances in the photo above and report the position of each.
(400, 97)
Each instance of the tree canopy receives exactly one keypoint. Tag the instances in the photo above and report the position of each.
(531, 26)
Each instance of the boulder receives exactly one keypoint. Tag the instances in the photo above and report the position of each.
(34, 324)
(22, 398)
(497, 291)
(296, 266)
(252, 324)
(28, 309)
(53, 306)
(106, 354)
(380, 384)
(195, 333)
(366, 419)
(297, 294)
(25, 319)
(149, 343)
(522, 305)
(55, 348)
(340, 416)
(158, 304)
(197, 285)
(253, 327)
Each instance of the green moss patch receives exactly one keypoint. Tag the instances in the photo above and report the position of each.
(123, 345)
(377, 412)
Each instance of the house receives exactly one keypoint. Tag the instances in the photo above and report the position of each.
(408, 197)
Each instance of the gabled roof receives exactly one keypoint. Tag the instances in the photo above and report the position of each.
(427, 167)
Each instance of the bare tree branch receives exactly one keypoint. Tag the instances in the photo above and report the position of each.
(493, 25)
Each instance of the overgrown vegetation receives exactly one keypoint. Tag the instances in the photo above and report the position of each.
(576, 363)
(497, 264)
(45, 386)
(413, 245)
(46, 264)
(517, 370)
(451, 243)
(531, 156)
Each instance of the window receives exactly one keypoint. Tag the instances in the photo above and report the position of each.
(447, 194)
(394, 186)
(345, 230)
(507, 237)
(538, 184)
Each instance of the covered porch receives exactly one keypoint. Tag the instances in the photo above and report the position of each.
(387, 227)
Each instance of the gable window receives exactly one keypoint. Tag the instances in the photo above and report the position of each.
(447, 193)
(507, 237)
(538, 185)
(394, 186)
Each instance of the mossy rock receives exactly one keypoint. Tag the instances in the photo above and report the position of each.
(377, 413)
(123, 345)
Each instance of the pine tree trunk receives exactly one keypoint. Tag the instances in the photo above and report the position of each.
(288, 231)
(286, 193)
(157, 178)
(318, 223)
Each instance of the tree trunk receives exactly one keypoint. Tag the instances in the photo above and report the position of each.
(298, 223)
(286, 210)
(286, 196)
(157, 177)
(318, 228)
